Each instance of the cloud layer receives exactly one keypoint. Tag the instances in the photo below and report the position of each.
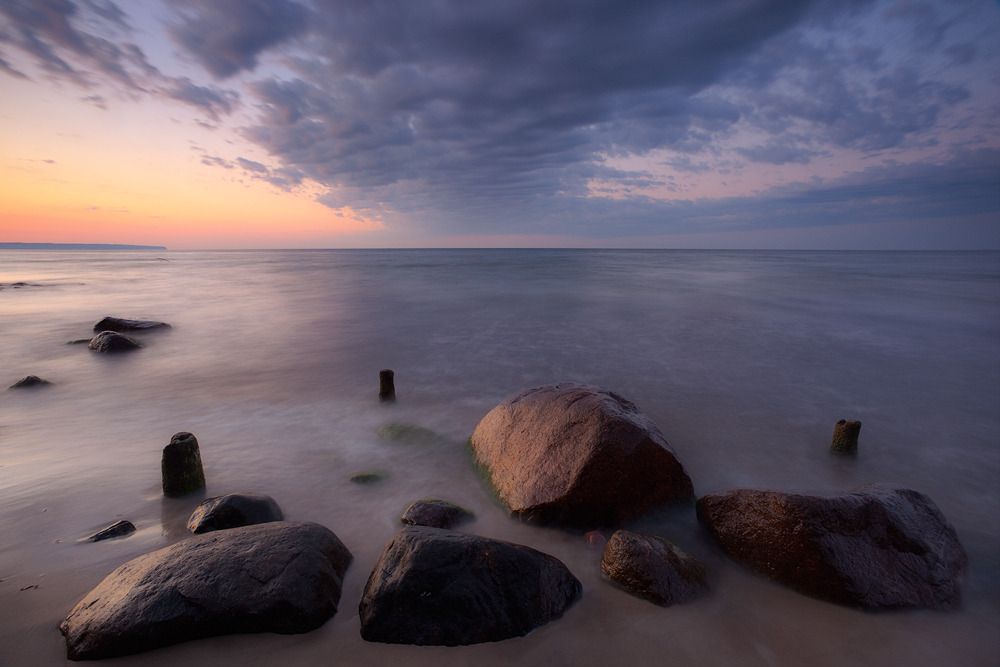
(510, 116)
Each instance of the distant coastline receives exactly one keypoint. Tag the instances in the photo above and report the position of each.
(77, 246)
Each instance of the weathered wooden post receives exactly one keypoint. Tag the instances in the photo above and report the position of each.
(181, 466)
(386, 388)
(845, 437)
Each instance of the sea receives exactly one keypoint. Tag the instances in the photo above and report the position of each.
(745, 360)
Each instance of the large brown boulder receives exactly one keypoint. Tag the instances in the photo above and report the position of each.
(283, 577)
(437, 587)
(578, 456)
(877, 547)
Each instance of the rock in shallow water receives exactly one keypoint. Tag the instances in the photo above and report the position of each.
(283, 577)
(119, 529)
(578, 456)
(437, 587)
(120, 324)
(109, 341)
(435, 513)
(29, 381)
(651, 568)
(232, 511)
(877, 547)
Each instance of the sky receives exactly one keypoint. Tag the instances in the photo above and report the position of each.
(844, 124)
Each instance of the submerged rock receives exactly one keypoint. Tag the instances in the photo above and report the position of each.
(408, 434)
(121, 324)
(120, 529)
(234, 510)
(29, 381)
(652, 568)
(283, 577)
(578, 456)
(181, 466)
(877, 547)
(367, 478)
(437, 587)
(109, 341)
(436, 514)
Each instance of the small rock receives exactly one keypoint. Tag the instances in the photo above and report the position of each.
(367, 478)
(120, 529)
(442, 588)
(30, 381)
(595, 539)
(407, 434)
(109, 341)
(79, 341)
(436, 514)
(652, 568)
(121, 324)
(234, 510)
(880, 546)
(181, 466)
(283, 577)
(845, 437)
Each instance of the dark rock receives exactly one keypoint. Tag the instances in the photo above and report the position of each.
(121, 324)
(435, 513)
(437, 587)
(120, 529)
(282, 577)
(877, 547)
(578, 456)
(386, 387)
(109, 341)
(181, 466)
(30, 381)
(234, 510)
(652, 568)
(367, 478)
(407, 434)
(845, 437)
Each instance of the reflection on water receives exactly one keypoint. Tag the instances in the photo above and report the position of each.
(744, 359)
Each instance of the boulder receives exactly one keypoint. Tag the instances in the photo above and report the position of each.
(121, 324)
(109, 341)
(180, 466)
(232, 511)
(652, 568)
(120, 529)
(282, 577)
(437, 587)
(878, 547)
(577, 456)
(29, 381)
(435, 513)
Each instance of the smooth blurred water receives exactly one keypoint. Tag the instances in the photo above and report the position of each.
(744, 359)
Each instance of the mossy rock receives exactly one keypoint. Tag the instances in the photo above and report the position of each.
(408, 434)
(367, 478)
(484, 473)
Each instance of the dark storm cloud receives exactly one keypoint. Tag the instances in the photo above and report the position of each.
(226, 36)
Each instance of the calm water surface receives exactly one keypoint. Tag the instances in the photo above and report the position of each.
(744, 359)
